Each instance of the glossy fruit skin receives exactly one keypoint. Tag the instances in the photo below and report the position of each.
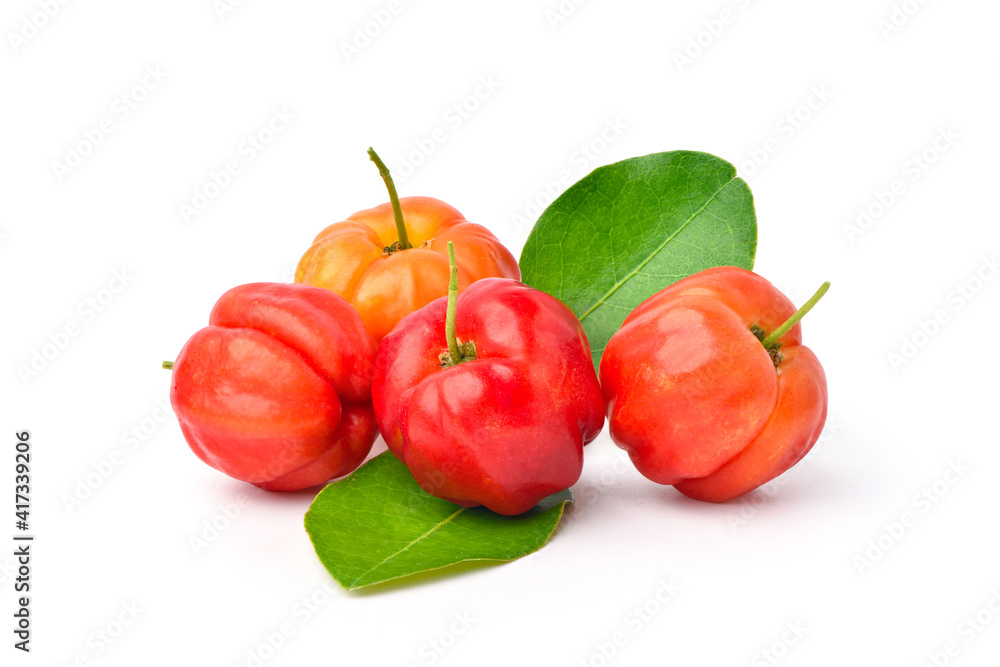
(694, 397)
(504, 430)
(276, 391)
(349, 258)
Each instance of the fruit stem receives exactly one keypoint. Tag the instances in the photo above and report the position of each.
(776, 335)
(457, 352)
(397, 212)
(449, 322)
(168, 365)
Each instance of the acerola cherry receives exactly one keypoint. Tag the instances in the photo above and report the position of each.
(391, 260)
(276, 391)
(489, 396)
(709, 387)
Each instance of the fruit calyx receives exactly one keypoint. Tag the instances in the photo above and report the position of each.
(774, 351)
(772, 341)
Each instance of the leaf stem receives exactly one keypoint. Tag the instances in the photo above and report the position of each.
(168, 365)
(397, 212)
(776, 335)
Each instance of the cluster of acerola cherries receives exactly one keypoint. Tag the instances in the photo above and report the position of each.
(409, 321)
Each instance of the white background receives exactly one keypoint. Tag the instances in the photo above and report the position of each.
(824, 550)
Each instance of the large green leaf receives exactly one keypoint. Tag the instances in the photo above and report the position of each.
(378, 525)
(629, 229)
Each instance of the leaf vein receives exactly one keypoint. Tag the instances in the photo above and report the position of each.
(655, 252)
(410, 544)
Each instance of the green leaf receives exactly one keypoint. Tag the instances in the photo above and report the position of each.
(629, 229)
(378, 525)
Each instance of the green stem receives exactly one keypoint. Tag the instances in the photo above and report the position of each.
(397, 212)
(458, 352)
(776, 335)
(168, 365)
(449, 321)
